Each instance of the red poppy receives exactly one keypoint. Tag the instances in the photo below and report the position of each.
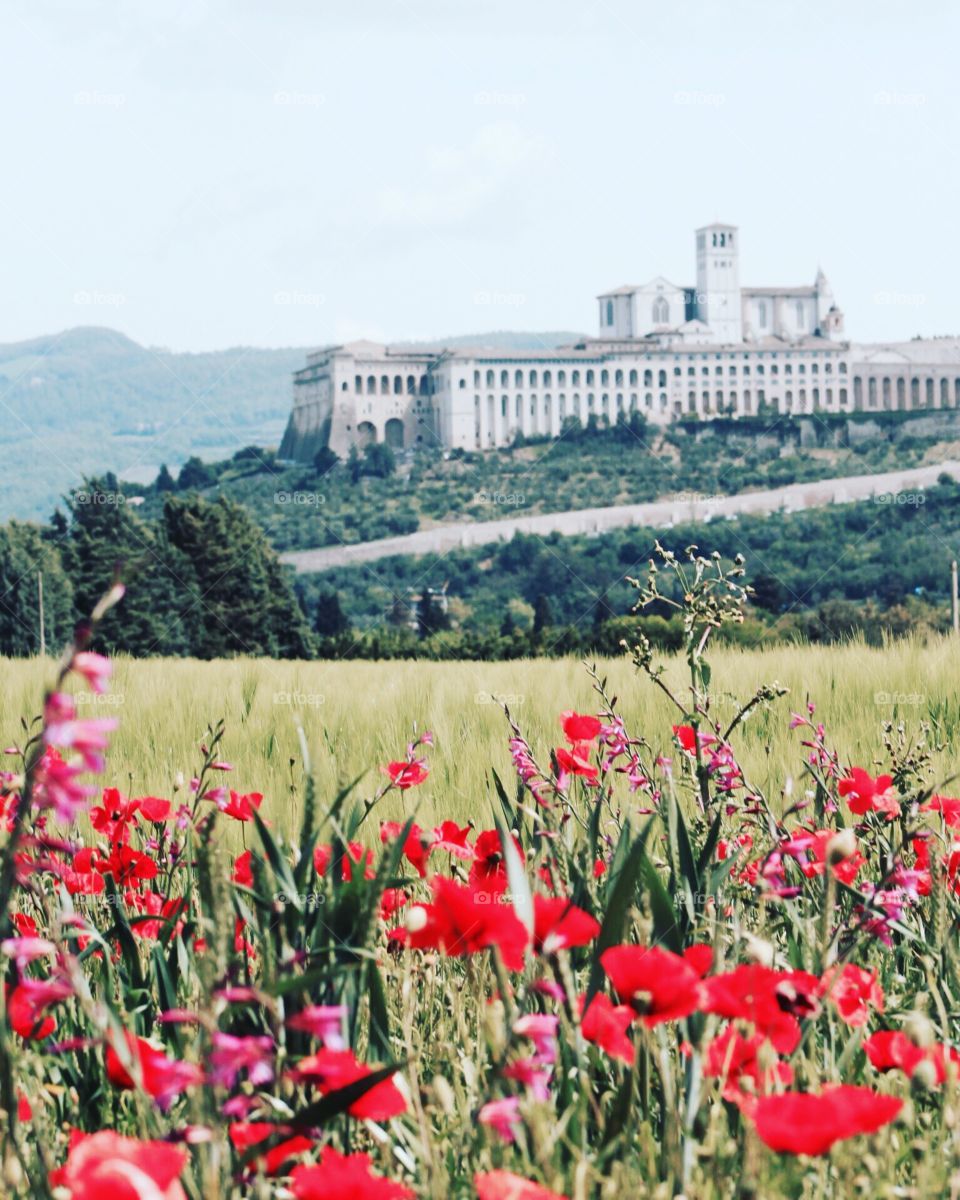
(25, 1015)
(488, 868)
(816, 845)
(504, 1185)
(330, 1070)
(576, 761)
(606, 1024)
(416, 849)
(687, 737)
(465, 920)
(161, 1077)
(126, 865)
(354, 854)
(405, 774)
(242, 869)
(853, 990)
(660, 985)
(890, 1050)
(947, 806)
(558, 924)
(107, 1164)
(580, 727)
(241, 807)
(152, 904)
(700, 957)
(809, 1123)
(344, 1177)
(771, 1000)
(154, 808)
(866, 794)
(244, 1134)
(732, 1057)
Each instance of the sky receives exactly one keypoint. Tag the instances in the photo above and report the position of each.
(203, 174)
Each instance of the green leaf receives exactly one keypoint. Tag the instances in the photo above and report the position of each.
(665, 927)
(619, 895)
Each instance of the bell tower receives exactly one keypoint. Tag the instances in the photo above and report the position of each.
(718, 301)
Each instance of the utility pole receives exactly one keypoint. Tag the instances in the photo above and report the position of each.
(954, 599)
(43, 635)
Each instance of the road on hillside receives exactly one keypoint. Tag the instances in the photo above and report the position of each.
(656, 514)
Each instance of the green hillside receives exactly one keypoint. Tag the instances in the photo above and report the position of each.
(90, 399)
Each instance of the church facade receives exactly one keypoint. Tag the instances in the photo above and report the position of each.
(714, 348)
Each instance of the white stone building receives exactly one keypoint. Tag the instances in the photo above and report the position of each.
(663, 350)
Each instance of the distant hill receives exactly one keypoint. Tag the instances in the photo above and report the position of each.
(90, 399)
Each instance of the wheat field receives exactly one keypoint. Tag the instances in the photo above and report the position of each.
(356, 716)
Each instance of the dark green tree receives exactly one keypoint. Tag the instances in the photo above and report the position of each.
(430, 615)
(165, 481)
(354, 465)
(378, 460)
(25, 555)
(239, 600)
(542, 613)
(195, 476)
(330, 619)
(108, 540)
(324, 460)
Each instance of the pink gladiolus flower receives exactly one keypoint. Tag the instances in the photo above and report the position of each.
(323, 1021)
(231, 1055)
(502, 1116)
(95, 668)
(86, 735)
(24, 950)
(541, 1029)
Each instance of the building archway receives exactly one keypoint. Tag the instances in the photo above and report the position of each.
(366, 433)
(393, 433)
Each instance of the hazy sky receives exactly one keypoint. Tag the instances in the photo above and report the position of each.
(207, 173)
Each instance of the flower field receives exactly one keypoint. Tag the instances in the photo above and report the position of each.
(512, 933)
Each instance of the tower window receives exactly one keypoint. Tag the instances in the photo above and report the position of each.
(609, 312)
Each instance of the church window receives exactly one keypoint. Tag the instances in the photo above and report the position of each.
(609, 312)
(547, 379)
(633, 378)
(648, 378)
(575, 378)
(661, 311)
(604, 377)
(662, 379)
(371, 384)
(589, 378)
(533, 379)
(762, 313)
(504, 378)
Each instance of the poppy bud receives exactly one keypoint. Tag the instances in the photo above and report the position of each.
(924, 1077)
(841, 846)
(416, 918)
(759, 951)
(919, 1029)
(12, 1172)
